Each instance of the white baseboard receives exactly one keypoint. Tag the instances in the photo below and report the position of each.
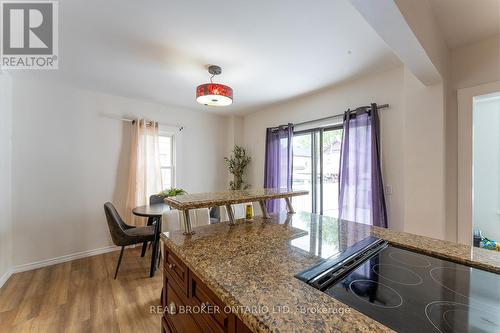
(5, 277)
(61, 259)
(57, 260)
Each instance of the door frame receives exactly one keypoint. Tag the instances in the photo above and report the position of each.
(465, 203)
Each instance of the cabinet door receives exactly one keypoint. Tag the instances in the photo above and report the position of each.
(241, 328)
(215, 316)
(177, 270)
(178, 321)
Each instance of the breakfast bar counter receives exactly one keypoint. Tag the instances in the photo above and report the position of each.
(231, 197)
(250, 269)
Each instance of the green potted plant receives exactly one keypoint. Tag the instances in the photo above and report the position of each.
(236, 164)
(171, 192)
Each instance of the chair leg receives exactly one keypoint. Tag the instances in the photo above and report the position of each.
(144, 248)
(119, 261)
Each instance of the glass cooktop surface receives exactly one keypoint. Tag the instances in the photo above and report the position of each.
(412, 292)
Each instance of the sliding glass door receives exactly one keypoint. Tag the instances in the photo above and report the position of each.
(316, 161)
(302, 177)
(332, 140)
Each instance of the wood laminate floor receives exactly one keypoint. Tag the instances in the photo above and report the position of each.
(81, 296)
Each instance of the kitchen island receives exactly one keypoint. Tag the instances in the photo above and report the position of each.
(247, 272)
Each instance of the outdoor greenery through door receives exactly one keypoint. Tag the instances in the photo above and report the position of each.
(316, 161)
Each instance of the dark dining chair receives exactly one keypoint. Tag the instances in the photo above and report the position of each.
(124, 234)
(154, 199)
(214, 214)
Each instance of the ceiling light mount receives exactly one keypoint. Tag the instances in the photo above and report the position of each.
(214, 70)
(214, 94)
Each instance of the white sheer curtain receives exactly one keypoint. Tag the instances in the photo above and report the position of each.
(145, 172)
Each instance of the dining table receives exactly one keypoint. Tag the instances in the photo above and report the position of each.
(154, 212)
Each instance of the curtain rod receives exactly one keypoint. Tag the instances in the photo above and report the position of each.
(121, 118)
(383, 106)
(179, 127)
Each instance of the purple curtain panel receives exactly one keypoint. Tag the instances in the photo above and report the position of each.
(361, 191)
(278, 163)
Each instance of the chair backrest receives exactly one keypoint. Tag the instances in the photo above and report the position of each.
(199, 217)
(116, 225)
(173, 220)
(156, 199)
(239, 211)
(215, 212)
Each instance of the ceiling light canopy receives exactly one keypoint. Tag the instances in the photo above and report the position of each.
(214, 94)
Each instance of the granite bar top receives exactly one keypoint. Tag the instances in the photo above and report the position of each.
(211, 199)
(251, 267)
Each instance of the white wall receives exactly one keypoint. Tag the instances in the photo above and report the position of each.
(5, 175)
(69, 157)
(486, 166)
(412, 141)
(235, 137)
(424, 136)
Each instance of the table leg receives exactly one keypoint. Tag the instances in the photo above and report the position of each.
(154, 254)
(289, 206)
(230, 215)
(263, 208)
(188, 230)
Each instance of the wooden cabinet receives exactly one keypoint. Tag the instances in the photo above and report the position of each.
(177, 320)
(200, 295)
(177, 270)
(190, 306)
(242, 328)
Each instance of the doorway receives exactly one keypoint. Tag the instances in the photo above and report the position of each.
(486, 167)
(466, 168)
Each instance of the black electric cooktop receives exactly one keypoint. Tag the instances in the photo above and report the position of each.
(408, 291)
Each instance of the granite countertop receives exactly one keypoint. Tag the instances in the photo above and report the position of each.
(210, 199)
(251, 267)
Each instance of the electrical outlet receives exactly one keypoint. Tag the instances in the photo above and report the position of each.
(388, 189)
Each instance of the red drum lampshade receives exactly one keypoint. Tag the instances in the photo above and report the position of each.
(214, 94)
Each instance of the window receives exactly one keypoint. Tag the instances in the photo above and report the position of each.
(316, 162)
(167, 160)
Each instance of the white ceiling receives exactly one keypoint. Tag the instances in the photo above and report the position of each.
(467, 21)
(270, 51)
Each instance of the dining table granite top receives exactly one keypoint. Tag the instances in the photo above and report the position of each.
(211, 199)
(251, 267)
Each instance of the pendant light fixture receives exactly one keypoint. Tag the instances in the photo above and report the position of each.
(214, 94)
